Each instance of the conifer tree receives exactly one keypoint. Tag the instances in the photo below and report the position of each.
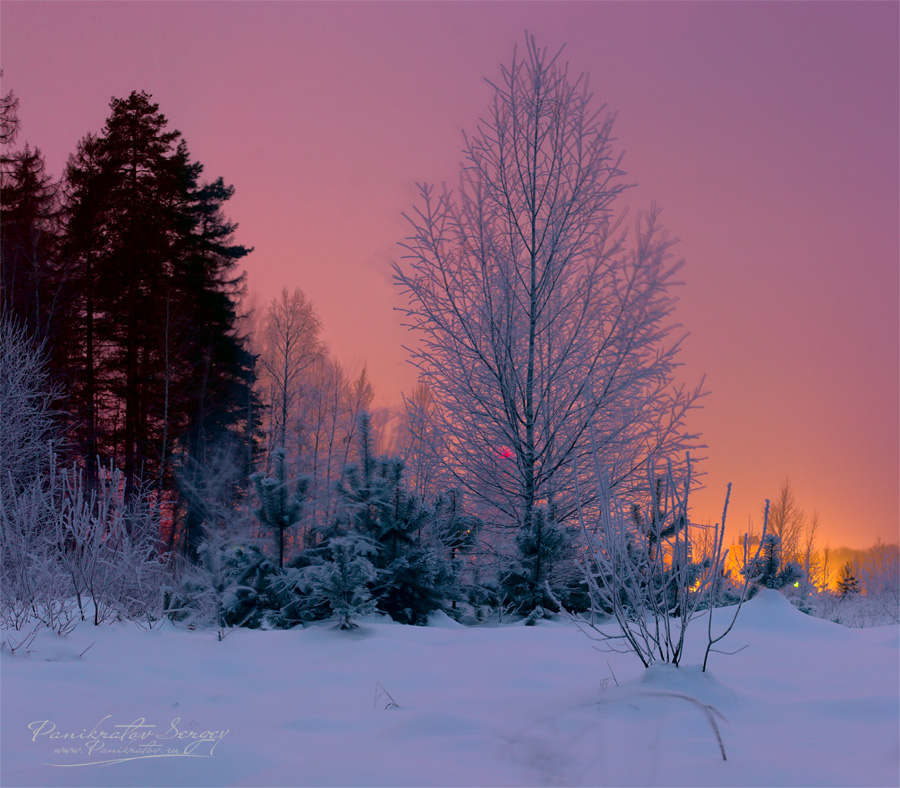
(769, 570)
(281, 500)
(161, 374)
(847, 583)
(342, 581)
(541, 547)
(9, 117)
(415, 574)
(30, 279)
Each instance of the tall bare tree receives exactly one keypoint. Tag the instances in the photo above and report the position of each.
(541, 314)
(788, 521)
(291, 344)
(420, 441)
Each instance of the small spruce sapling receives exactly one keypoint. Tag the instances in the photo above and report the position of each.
(281, 500)
(343, 581)
(847, 583)
(542, 549)
(768, 570)
(414, 573)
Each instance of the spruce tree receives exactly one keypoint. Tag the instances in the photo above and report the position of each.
(163, 378)
(768, 570)
(541, 545)
(414, 576)
(847, 583)
(281, 500)
(31, 283)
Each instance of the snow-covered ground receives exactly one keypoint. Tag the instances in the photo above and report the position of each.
(807, 702)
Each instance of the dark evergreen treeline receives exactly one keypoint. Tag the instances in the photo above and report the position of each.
(126, 271)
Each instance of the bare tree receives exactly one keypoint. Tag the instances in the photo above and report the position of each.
(420, 441)
(788, 522)
(333, 404)
(537, 318)
(826, 567)
(358, 397)
(811, 561)
(325, 410)
(290, 345)
(28, 429)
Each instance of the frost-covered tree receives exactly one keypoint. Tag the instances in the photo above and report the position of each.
(341, 584)
(420, 442)
(77, 551)
(539, 312)
(788, 522)
(544, 566)
(29, 430)
(880, 577)
(416, 545)
(290, 345)
(220, 584)
(332, 403)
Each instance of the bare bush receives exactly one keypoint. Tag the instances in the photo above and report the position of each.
(70, 553)
(641, 569)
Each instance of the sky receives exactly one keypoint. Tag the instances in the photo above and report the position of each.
(767, 132)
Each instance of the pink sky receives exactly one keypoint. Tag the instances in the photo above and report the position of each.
(768, 132)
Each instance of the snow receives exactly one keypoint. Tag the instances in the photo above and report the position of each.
(807, 702)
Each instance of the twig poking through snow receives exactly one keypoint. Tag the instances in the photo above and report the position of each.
(380, 694)
(612, 673)
(711, 713)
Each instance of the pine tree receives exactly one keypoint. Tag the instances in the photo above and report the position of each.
(31, 283)
(82, 246)
(769, 571)
(162, 378)
(541, 548)
(9, 117)
(281, 500)
(415, 575)
(343, 581)
(847, 582)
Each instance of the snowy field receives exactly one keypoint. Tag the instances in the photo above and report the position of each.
(807, 702)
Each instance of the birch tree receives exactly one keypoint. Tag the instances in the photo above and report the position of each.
(788, 522)
(539, 311)
(291, 345)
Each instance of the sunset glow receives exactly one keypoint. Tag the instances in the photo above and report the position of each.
(768, 133)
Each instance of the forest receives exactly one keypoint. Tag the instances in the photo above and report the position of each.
(168, 455)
